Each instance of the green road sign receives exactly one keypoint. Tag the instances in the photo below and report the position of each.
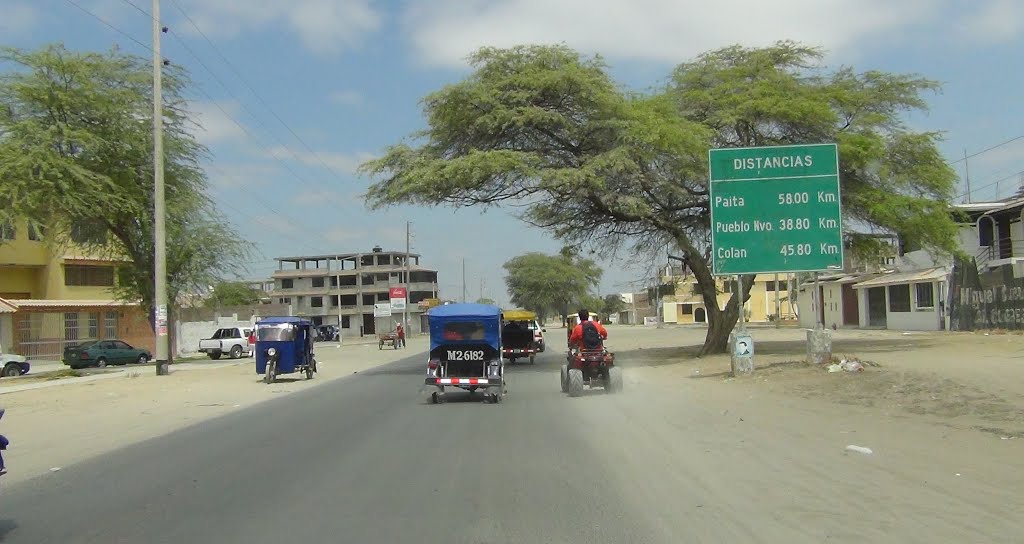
(775, 209)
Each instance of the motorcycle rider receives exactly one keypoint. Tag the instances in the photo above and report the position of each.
(577, 336)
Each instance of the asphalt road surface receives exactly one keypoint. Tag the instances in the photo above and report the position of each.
(364, 460)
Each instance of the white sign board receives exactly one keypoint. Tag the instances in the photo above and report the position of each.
(397, 304)
(382, 310)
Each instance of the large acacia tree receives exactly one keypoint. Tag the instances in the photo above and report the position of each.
(76, 156)
(595, 164)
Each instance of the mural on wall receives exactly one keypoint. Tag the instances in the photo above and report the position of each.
(993, 299)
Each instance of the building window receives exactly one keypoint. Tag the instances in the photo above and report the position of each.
(316, 302)
(770, 286)
(7, 231)
(286, 300)
(899, 298)
(71, 326)
(36, 232)
(110, 325)
(287, 284)
(88, 276)
(687, 309)
(94, 325)
(345, 321)
(88, 234)
(318, 282)
(925, 296)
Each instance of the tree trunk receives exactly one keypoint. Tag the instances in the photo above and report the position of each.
(720, 322)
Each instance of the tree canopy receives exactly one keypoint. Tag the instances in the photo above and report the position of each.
(546, 128)
(550, 283)
(76, 156)
(232, 293)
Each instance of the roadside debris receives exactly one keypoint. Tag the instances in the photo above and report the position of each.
(859, 449)
(848, 365)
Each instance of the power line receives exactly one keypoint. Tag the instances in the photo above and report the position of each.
(112, 27)
(1000, 180)
(251, 89)
(986, 150)
(255, 118)
(204, 93)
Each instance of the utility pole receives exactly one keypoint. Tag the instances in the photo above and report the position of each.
(408, 293)
(159, 207)
(778, 303)
(967, 176)
(463, 279)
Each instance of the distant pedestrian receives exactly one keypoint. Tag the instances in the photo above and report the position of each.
(401, 335)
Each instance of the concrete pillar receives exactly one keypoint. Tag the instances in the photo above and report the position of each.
(819, 346)
(741, 353)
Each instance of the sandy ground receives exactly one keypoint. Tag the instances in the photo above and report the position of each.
(55, 426)
(964, 380)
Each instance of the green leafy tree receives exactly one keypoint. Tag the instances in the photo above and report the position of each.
(545, 283)
(550, 130)
(232, 293)
(613, 304)
(485, 300)
(76, 156)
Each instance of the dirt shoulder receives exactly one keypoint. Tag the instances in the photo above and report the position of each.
(55, 426)
(964, 380)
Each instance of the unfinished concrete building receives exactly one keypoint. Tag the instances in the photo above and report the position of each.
(343, 288)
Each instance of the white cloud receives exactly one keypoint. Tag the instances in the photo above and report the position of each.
(344, 163)
(324, 26)
(347, 98)
(445, 31)
(215, 122)
(996, 21)
(19, 18)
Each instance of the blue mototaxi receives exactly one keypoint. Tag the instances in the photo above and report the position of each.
(284, 345)
(465, 350)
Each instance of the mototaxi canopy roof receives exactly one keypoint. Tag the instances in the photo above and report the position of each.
(484, 317)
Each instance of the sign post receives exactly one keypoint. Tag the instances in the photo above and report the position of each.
(776, 210)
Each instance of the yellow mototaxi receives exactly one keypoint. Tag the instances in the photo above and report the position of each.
(517, 339)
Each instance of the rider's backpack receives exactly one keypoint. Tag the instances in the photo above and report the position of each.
(591, 336)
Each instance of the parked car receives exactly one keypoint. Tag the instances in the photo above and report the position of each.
(538, 335)
(12, 364)
(101, 353)
(231, 340)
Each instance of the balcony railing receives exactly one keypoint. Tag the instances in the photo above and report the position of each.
(1004, 248)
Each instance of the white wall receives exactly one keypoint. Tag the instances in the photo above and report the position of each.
(7, 332)
(669, 310)
(832, 299)
(188, 334)
(918, 319)
(913, 321)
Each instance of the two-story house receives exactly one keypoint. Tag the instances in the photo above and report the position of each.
(53, 295)
(342, 289)
(769, 298)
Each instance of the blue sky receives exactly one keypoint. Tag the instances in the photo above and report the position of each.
(338, 80)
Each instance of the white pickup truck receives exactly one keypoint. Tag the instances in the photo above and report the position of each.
(231, 340)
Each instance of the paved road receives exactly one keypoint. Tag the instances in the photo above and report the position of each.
(363, 460)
